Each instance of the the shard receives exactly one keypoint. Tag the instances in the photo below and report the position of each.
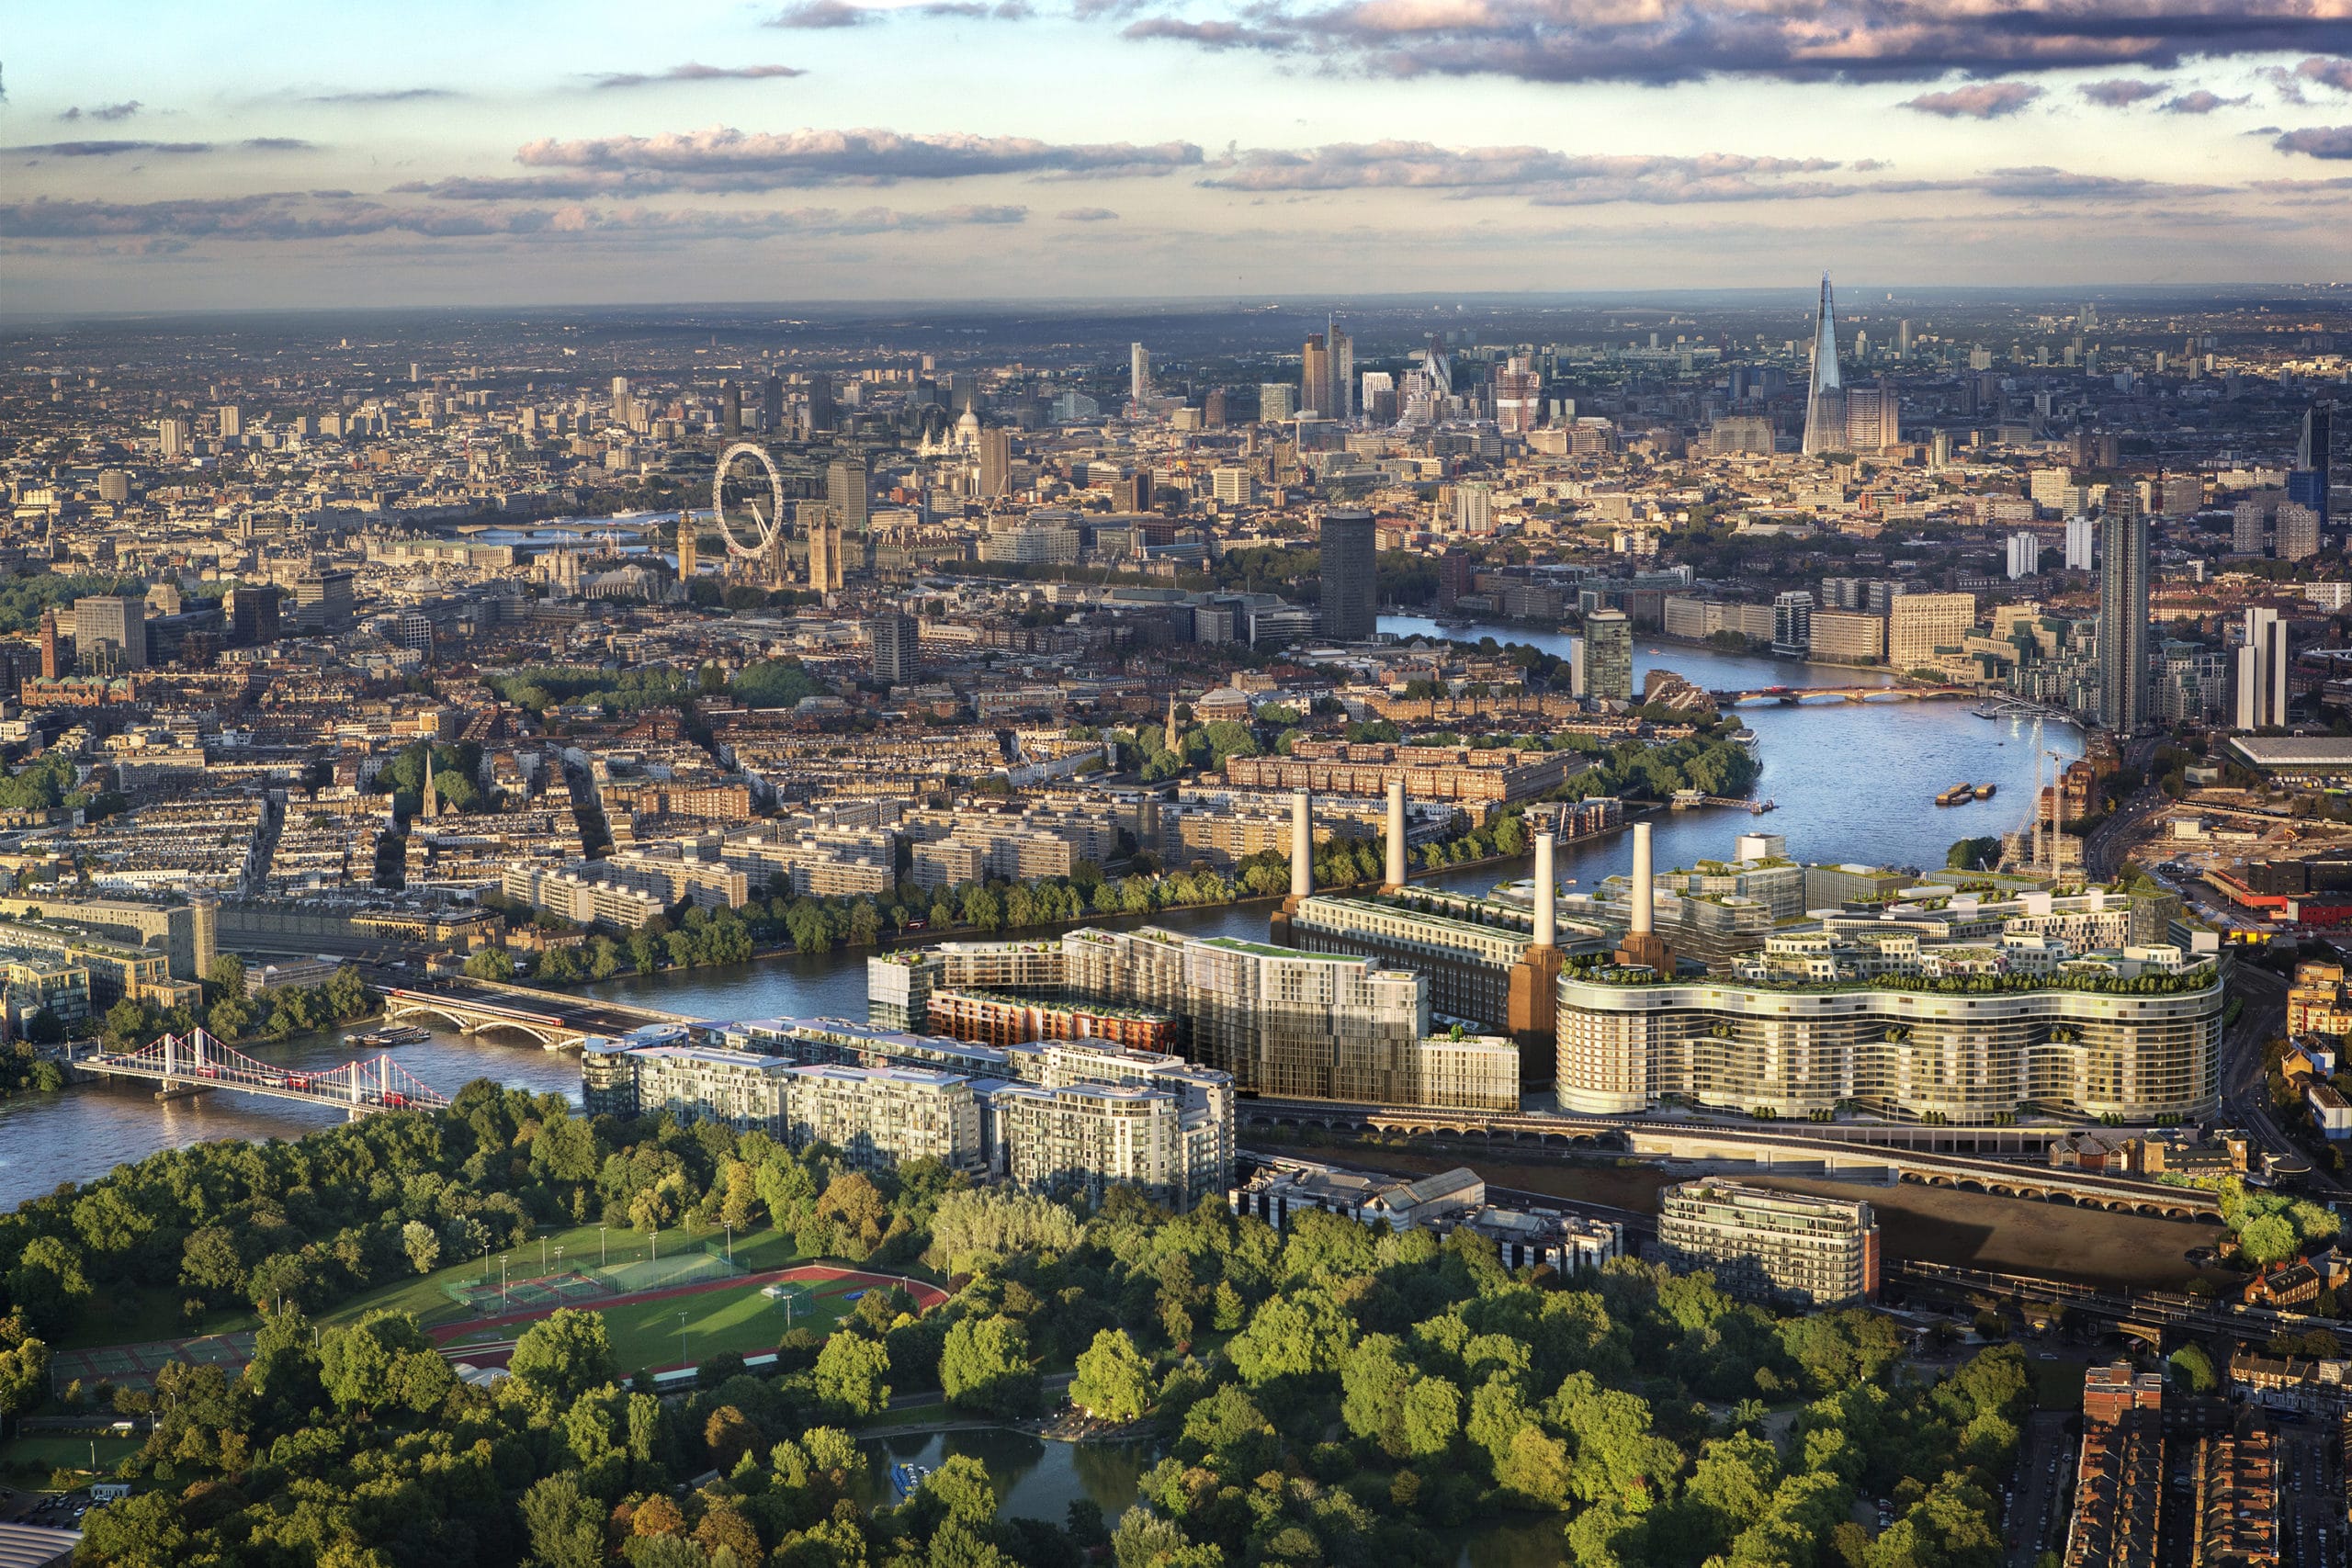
(1825, 403)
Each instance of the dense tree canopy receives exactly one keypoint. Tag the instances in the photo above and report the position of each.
(1335, 1393)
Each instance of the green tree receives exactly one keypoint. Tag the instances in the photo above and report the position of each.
(566, 1526)
(850, 1373)
(422, 1245)
(227, 975)
(2192, 1370)
(984, 1365)
(383, 1361)
(1114, 1381)
(564, 1354)
(491, 963)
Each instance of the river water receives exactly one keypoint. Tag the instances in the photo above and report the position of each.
(1851, 783)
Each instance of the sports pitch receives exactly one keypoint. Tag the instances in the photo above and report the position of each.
(734, 1317)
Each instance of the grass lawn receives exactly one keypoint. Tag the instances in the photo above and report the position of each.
(736, 1318)
(582, 1248)
(40, 1455)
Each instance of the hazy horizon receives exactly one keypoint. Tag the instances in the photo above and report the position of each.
(542, 156)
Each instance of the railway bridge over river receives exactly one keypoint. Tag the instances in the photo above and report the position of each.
(555, 1021)
(1931, 1156)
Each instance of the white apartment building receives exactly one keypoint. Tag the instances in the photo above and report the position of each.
(1763, 1245)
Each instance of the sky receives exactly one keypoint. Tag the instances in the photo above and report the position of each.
(261, 154)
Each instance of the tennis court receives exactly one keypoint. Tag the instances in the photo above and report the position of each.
(135, 1366)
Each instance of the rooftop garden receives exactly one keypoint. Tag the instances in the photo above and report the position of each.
(1607, 972)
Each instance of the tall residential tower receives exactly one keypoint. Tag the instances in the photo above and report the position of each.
(2122, 614)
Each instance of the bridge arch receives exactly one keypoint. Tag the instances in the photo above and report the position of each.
(470, 1022)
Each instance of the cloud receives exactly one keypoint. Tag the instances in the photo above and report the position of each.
(973, 10)
(2336, 73)
(107, 112)
(1677, 41)
(2043, 183)
(1547, 179)
(2120, 92)
(105, 149)
(177, 148)
(383, 96)
(2199, 102)
(722, 159)
(1211, 35)
(1979, 100)
(2318, 141)
(1550, 178)
(1086, 215)
(818, 14)
(292, 216)
(693, 71)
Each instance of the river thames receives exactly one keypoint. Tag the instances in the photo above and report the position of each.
(1852, 782)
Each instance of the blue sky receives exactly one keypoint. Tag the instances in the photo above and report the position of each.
(244, 154)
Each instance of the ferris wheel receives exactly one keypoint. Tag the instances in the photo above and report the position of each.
(747, 500)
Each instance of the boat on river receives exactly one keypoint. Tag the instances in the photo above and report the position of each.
(1984, 791)
(906, 1480)
(385, 1039)
(1959, 795)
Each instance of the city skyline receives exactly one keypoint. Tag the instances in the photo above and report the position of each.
(756, 153)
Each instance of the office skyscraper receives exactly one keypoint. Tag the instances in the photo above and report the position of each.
(1138, 372)
(1609, 655)
(1824, 406)
(1339, 399)
(620, 400)
(1351, 590)
(1315, 377)
(995, 462)
(2261, 671)
(2307, 484)
(820, 401)
(845, 493)
(111, 629)
(772, 404)
(1519, 397)
(1874, 418)
(2122, 614)
(731, 410)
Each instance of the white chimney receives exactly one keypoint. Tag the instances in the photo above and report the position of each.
(1301, 848)
(1395, 832)
(1644, 894)
(1546, 894)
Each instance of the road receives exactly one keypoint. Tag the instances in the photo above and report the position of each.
(2246, 1094)
(2311, 1497)
(2109, 843)
(2038, 1509)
